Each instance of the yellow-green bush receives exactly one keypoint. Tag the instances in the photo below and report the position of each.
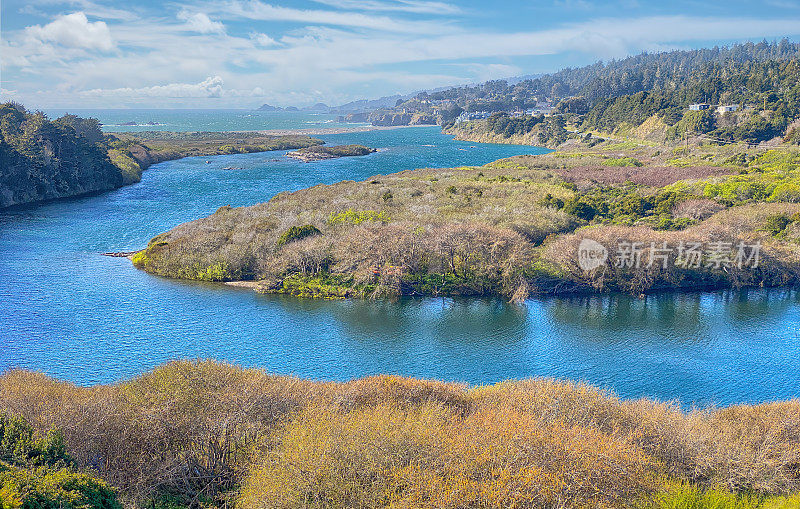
(351, 216)
(428, 456)
(54, 489)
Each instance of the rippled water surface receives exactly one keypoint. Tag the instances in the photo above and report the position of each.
(76, 315)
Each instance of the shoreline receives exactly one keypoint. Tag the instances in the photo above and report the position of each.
(335, 130)
(309, 131)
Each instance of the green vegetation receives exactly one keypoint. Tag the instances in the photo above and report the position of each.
(766, 92)
(212, 435)
(42, 159)
(297, 233)
(686, 496)
(37, 473)
(320, 152)
(501, 123)
(356, 217)
(622, 161)
(539, 130)
(700, 75)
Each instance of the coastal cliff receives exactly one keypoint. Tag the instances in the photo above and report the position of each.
(382, 118)
(43, 159)
(477, 132)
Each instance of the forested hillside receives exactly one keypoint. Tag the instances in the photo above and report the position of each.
(42, 159)
(766, 95)
(594, 83)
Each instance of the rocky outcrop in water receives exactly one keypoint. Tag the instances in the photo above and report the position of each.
(319, 153)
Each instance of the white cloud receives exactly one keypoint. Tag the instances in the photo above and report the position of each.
(262, 40)
(210, 87)
(200, 22)
(486, 72)
(257, 10)
(417, 7)
(160, 63)
(73, 31)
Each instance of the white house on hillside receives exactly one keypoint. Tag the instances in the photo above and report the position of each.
(726, 108)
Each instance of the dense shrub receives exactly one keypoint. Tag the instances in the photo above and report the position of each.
(21, 446)
(54, 489)
(36, 473)
(776, 224)
(622, 161)
(297, 233)
(196, 432)
(357, 217)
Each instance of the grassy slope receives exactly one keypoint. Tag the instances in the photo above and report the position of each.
(209, 432)
(507, 228)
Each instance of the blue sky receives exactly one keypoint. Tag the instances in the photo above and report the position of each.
(242, 53)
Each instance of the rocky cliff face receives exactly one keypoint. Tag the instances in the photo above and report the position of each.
(353, 117)
(477, 131)
(379, 118)
(25, 181)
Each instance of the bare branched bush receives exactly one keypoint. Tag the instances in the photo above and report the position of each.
(198, 431)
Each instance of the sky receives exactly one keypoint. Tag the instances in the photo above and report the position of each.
(243, 53)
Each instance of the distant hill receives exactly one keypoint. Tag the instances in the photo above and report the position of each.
(318, 107)
(269, 107)
(366, 105)
(594, 83)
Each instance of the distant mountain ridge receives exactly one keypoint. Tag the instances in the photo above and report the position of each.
(358, 106)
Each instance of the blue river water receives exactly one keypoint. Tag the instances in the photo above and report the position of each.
(71, 313)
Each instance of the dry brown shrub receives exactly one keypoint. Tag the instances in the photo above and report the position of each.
(652, 176)
(778, 262)
(749, 447)
(699, 209)
(402, 391)
(185, 428)
(199, 429)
